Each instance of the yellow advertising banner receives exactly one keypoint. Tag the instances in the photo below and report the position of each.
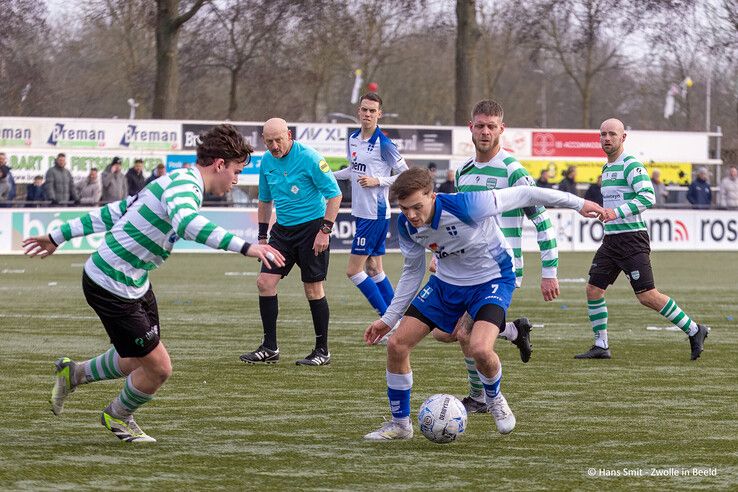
(588, 171)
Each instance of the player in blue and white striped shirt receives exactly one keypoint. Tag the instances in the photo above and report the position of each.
(474, 274)
(140, 232)
(372, 157)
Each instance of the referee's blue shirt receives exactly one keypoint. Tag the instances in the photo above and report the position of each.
(298, 183)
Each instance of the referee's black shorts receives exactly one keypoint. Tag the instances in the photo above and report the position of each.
(296, 245)
(132, 324)
(627, 252)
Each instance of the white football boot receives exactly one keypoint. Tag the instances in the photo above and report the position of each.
(391, 430)
(500, 410)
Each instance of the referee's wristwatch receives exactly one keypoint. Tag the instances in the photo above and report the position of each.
(327, 227)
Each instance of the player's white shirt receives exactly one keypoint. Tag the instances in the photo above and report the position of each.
(466, 239)
(376, 158)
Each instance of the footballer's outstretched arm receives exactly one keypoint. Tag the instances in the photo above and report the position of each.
(99, 220)
(483, 204)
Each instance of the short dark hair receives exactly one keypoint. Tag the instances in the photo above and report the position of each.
(93, 169)
(488, 107)
(222, 142)
(138, 160)
(61, 154)
(372, 96)
(410, 181)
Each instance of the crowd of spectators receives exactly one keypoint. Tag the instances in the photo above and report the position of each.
(58, 188)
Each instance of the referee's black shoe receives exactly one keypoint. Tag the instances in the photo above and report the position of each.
(595, 353)
(318, 357)
(697, 341)
(523, 341)
(262, 355)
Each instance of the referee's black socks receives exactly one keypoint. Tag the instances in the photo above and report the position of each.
(269, 309)
(321, 315)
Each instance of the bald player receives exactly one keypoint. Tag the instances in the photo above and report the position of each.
(299, 183)
(627, 191)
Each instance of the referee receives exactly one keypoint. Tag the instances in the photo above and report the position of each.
(306, 198)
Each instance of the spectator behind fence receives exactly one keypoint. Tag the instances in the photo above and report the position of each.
(89, 190)
(114, 185)
(345, 186)
(434, 172)
(135, 177)
(448, 186)
(699, 194)
(569, 184)
(35, 191)
(5, 178)
(594, 192)
(159, 171)
(59, 185)
(659, 189)
(542, 181)
(729, 189)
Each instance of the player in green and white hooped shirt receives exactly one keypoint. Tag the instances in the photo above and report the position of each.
(140, 232)
(494, 168)
(627, 192)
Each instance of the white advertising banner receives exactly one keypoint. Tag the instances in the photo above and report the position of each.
(584, 144)
(33, 162)
(78, 133)
(670, 230)
(328, 139)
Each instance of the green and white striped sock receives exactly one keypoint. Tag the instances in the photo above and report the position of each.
(674, 313)
(104, 366)
(597, 311)
(128, 400)
(476, 389)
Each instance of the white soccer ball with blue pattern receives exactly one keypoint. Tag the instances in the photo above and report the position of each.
(442, 418)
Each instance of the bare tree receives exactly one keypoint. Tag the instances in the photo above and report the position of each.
(246, 28)
(126, 28)
(584, 39)
(168, 24)
(21, 54)
(379, 28)
(467, 36)
(320, 50)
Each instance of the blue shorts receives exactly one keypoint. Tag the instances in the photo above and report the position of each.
(444, 303)
(371, 234)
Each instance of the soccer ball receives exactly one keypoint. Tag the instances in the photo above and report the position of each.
(442, 418)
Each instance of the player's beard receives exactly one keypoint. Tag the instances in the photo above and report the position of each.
(492, 145)
(613, 150)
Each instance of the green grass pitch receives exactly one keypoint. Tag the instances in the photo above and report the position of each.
(224, 425)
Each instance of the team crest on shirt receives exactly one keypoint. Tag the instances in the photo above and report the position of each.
(452, 230)
(635, 275)
(294, 189)
(324, 166)
(491, 183)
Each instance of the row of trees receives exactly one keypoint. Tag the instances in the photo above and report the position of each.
(556, 63)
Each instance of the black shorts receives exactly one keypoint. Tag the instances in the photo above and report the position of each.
(296, 245)
(628, 252)
(132, 324)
